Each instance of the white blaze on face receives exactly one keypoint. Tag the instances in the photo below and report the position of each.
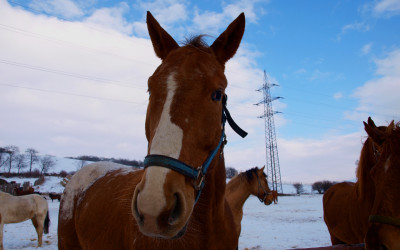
(167, 141)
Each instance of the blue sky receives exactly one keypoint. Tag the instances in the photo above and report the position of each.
(75, 74)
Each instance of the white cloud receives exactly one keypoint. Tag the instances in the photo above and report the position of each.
(379, 97)
(366, 49)
(357, 26)
(69, 89)
(62, 8)
(211, 20)
(111, 18)
(166, 12)
(338, 96)
(386, 7)
(305, 160)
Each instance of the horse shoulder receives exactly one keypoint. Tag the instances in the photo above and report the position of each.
(105, 219)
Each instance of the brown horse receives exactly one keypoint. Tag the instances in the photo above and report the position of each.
(173, 203)
(240, 187)
(347, 205)
(384, 229)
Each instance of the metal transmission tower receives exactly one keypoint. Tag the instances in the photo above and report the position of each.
(272, 158)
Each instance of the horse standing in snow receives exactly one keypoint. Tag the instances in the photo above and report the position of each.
(178, 200)
(14, 209)
(240, 187)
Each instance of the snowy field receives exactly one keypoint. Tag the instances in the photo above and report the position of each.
(295, 222)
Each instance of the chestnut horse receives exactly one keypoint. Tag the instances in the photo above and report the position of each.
(178, 200)
(384, 229)
(347, 205)
(240, 187)
(14, 209)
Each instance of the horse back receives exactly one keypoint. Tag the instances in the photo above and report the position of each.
(344, 214)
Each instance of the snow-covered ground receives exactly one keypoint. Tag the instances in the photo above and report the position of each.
(295, 222)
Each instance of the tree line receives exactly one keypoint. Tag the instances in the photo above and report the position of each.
(319, 186)
(84, 159)
(11, 158)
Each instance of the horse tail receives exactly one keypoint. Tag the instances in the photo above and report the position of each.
(46, 223)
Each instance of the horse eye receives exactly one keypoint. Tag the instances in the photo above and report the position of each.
(217, 95)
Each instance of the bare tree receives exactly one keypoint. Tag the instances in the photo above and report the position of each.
(299, 188)
(12, 152)
(3, 159)
(33, 157)
(231, 172)
(317, 186)
(20, 162)
(46, 163)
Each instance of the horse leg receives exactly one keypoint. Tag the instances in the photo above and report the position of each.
(1, 234)
(37, 222)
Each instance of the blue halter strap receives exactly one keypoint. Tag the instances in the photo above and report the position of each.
(197, 174)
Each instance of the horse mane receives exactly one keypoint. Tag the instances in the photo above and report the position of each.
(364, 166)
(197, 42)
(249, 174)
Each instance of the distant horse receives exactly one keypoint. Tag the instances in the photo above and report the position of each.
(14, 209)
(178, 200)
(55, 196)
(275, 196)
(240, 187)
(19, 191)
(384, 229)
(347, 205)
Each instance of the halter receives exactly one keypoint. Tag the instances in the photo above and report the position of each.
(197, 174)
(266, 193)
(385, 220)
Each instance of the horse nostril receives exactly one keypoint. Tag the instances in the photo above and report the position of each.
(176, 210)
(139, 216)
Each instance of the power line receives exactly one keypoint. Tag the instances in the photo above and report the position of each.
(71, 94)
(65, 73)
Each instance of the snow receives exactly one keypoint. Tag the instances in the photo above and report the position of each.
(295, 222)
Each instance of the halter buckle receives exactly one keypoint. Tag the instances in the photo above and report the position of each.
(200, 175)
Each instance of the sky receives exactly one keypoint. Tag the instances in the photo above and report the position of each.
(74, 76)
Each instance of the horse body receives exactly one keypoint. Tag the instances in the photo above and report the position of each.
(239, 189)
(384, 228)
(347, 205)
(346, 214)
(98, 215)
(15, 209)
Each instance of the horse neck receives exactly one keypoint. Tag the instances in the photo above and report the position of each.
(365, 184)
(213, 194)
(237, 192)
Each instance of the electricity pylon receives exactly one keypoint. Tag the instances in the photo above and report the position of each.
(272, 158)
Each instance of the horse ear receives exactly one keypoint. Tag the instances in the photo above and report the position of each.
(390, 128)
(226, 45)
(162, 42)
(371, 122)
(374, 133)
(262, 169)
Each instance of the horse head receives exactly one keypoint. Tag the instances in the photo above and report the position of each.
(384, 228)
(260, 186)
(184, 127)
